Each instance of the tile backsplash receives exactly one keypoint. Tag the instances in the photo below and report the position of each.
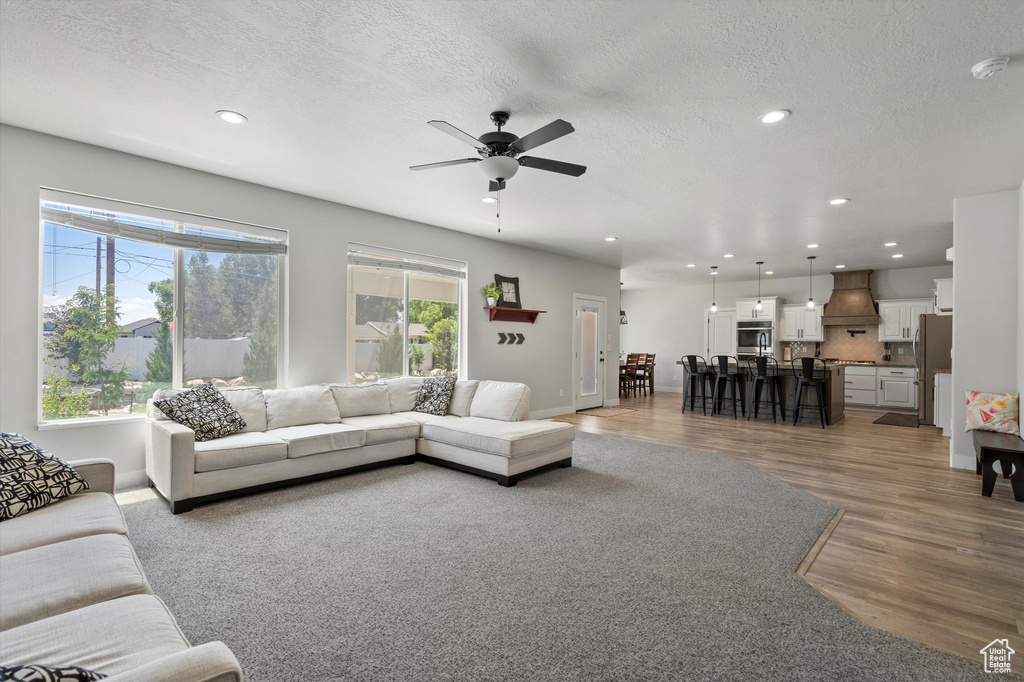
(841, 345)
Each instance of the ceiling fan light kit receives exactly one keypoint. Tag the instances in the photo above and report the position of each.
(500, 151)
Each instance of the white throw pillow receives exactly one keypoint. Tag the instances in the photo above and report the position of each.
(248, 401)
(301, 405)
(357, 400)
(502, 400)
(402, 392)
(462, 397)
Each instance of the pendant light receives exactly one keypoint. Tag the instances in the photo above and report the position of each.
(714, 271)
(622, 313)
(810, 283)
(759, 307)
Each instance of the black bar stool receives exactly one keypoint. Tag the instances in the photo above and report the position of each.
(731, 376)
(765, 372)
(811, 373)
(697, 372)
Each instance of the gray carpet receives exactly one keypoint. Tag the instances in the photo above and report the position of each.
(642, 562)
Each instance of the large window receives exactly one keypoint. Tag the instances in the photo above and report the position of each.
(403, 314)
(137, 298)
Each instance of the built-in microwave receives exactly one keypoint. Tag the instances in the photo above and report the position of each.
(755, 337)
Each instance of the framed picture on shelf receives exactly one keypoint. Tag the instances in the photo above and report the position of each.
(509, 292)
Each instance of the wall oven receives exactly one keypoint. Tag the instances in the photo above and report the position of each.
(755, 337)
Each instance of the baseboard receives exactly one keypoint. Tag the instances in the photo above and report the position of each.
(133, 479)
(667, 389)
(611, 402)
(969, 462)
(552, 412)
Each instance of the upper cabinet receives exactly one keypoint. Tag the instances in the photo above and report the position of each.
(944, 296)
(899, 318)
(801, 324)
(720, 333)
(746, 308)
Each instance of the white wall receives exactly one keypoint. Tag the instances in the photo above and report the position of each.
(986, 343)
(316, 300)
(669, 320)
(1020, 293)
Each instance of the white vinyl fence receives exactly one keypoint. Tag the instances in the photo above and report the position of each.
(222, 358)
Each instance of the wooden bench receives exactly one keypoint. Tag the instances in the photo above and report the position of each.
(1008, 450)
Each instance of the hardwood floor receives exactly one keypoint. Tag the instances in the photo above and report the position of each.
(918, 551)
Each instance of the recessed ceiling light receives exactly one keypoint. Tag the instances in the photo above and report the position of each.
(891, 243)
(611, 239)
(813, 246)
(231, 116)
(488, 200)
(729, 255)
(839, 201)
(897, 255)
(840, 267)
(775, 116)
(691, 265)
(769, 272)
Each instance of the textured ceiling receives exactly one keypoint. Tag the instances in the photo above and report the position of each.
(664, 97)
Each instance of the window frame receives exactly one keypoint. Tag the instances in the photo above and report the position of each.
(440, 261)
(49, 194)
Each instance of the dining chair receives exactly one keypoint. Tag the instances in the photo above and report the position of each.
(641, 367)
(632, 362)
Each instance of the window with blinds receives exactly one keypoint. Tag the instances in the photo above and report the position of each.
(138, 298)
(404, 314)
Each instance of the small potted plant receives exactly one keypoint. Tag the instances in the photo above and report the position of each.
(492, 291)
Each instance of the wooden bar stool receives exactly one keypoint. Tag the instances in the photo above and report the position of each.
(697, 373)
(765, 372)
(811, 372)
(730, 376)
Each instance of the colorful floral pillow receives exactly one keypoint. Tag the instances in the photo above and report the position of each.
(993, 412)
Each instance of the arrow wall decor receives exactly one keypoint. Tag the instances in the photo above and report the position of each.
(510, 339)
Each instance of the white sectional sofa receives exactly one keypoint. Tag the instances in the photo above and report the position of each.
(73, 593)
(299, 434)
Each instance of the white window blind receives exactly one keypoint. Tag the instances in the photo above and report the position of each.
(381, 259)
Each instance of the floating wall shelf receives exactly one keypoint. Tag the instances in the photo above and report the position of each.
(512, 314)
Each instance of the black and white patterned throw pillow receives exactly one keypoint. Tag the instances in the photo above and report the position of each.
(31, 478)
(47, 673)
(205, 410)
(435, 395)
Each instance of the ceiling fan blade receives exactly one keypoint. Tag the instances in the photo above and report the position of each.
(551, 131)
(553, 166)
(446, 127)
(441, 164)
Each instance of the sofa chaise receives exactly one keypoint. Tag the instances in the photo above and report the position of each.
(73, 593)
(299, 434)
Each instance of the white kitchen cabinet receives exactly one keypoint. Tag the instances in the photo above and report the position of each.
(944, 296)
(897, 387)
(801, 324)
(720, 333)
(859, 388)
(746, 308)
(899, 318)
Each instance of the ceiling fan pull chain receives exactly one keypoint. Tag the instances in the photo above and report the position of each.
(499, 211)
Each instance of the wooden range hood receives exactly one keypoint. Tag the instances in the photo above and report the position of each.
(851, 301)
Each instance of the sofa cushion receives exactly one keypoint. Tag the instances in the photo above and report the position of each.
(301, 405)
(204, 410)
(73, 517)
(31, 478)
(384, 428)
(422, 417)
(462, 397)
(312, 439)
(435, 395)
(111, 637)
(239, 450)
(54, 579)
(508, 439)
(402, 392)
(355, 400)
(248, 401)
(501, 400)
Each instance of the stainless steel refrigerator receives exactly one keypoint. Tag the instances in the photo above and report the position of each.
(932, 347)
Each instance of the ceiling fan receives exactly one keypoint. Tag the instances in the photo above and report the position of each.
(499, 151)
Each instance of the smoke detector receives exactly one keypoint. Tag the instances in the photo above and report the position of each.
(989, 67)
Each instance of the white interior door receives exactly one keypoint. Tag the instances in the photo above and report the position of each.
(589, 367)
